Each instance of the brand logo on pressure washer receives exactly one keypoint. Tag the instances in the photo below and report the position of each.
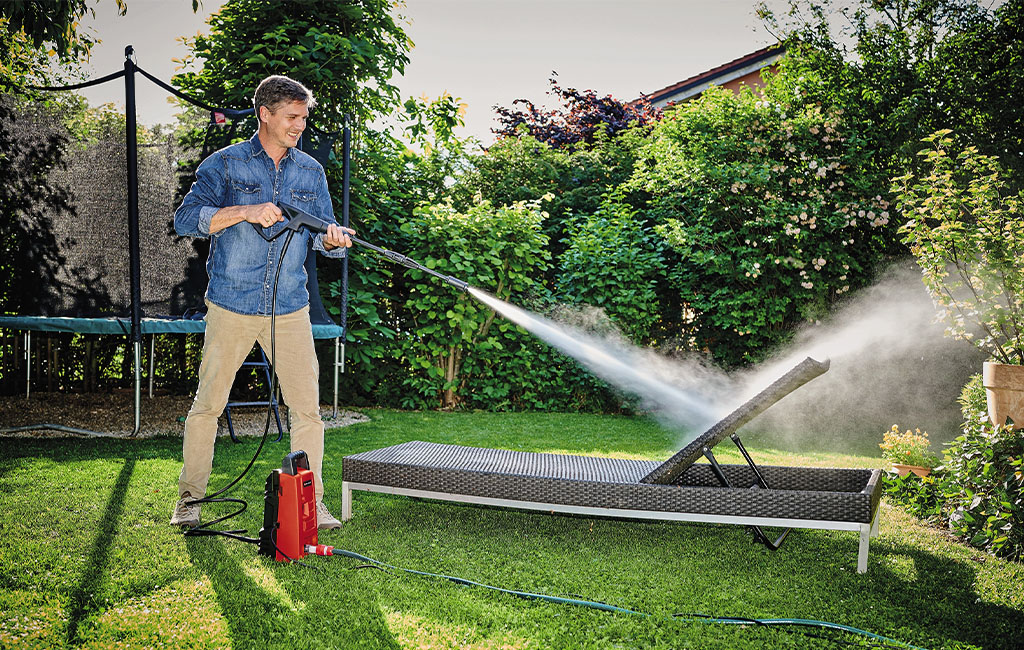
(307, 483)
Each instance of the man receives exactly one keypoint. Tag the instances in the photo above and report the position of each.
(236, 189)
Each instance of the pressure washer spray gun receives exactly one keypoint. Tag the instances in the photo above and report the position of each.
(300, 219)
(289, 503)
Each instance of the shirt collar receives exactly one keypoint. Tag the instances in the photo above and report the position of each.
(257, 147)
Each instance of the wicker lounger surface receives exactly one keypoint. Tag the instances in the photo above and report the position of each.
(847, 495)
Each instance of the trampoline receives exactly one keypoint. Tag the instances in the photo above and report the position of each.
(90, 271)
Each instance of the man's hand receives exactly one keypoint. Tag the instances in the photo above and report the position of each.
(337, 236)
(263, 215)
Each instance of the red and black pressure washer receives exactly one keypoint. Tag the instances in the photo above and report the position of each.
(289, 510)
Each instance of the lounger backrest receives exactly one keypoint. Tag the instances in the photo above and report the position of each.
(805, 371)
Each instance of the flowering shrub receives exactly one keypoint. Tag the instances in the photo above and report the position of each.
(772, 210)
(907, 448)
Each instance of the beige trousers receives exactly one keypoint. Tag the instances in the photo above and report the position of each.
(229, 339)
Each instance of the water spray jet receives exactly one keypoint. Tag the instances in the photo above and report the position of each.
(624, 366)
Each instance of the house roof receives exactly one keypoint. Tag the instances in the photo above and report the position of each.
(717, 76)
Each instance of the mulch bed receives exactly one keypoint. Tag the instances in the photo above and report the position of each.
(113, 414)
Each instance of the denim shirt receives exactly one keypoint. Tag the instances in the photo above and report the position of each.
(242, 264)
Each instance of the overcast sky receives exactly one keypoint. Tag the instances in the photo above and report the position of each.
(485, 51)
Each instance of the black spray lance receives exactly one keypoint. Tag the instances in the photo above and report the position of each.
(300, 219)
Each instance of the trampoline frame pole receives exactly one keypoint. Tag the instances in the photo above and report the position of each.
(337, 346)
(132, 156)
(28, 363)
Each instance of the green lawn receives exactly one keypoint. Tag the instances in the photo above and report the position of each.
(88, 559)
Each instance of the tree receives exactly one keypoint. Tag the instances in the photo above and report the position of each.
(902, 69)
(345, 51)
(978, 78)
(31, 33)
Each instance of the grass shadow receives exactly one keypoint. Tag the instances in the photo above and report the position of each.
(81, 601)
(934, 595)
(908, 593)
(268, 604)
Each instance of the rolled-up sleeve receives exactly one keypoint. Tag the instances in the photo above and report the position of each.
(204, 199)
(325, 209)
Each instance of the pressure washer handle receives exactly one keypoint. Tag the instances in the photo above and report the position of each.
(300, 219)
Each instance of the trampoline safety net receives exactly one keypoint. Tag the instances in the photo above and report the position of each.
(65, 214)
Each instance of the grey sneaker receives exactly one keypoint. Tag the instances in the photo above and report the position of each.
(185, 514)
(324, 519)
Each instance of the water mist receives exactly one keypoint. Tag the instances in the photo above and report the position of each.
(891, 364)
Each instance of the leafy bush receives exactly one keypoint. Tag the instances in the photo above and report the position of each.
(983, 480)
(525, 169)
(498, 249)
(921, 497)
(979, 490)
(966, 230)
(614, 262)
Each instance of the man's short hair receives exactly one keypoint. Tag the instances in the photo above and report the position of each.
(276, 90)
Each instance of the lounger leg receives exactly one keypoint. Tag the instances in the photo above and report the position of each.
(346, 501)
(862, 552)
(874, 522)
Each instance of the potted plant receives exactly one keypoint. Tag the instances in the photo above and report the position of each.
(966, 230)
(908, 451)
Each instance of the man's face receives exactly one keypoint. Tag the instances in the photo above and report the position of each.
(286, 124)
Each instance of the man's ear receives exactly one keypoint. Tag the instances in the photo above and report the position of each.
(264, 114)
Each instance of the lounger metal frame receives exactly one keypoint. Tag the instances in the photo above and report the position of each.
(866, 531)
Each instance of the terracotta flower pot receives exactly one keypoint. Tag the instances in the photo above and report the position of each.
(903, 470)
(1004, 387)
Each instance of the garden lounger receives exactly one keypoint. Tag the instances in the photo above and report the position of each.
(678, 489)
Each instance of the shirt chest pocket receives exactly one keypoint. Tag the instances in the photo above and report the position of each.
(245, 193)
(303, 198)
